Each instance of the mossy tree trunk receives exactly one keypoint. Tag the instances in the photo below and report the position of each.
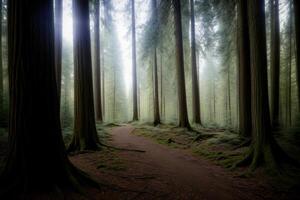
(37, 161)
(275, 62)
(195, 82)
(183, 113)
(58, 43)
(264, 149)
(85, 134)
(297, 31)
(134, 67)
(98, 99)
(244, 70)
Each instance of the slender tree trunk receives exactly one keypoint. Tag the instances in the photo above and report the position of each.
(244, 70)
(58, 43)
(37, 162)
(85, 134)
(134, 70)
(183, 113)
(275, 62)
(229, 98)
(156, 96)
(98, 100)
(195, 86)
(156, 92)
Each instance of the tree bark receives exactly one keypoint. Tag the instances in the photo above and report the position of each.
(264, 149)
(58, 43)
(37, 161)
(85, 134)
(288, 102)
(2, 118)
(156, 97)
(195, 82)
(297, 32)
(244, 70)
(183, 113)
(156, 92)
(98, 100)
(134, 70)
(275, 62)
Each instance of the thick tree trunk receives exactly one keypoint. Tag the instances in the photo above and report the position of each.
(195, 86)
(275, 62)
(58, 43)
(2, 118)
(37, 161)
(264, 149)
(244, 70)
(183, 113)
(297, 30)
(134, 70)
(98, 100)
(85, 133)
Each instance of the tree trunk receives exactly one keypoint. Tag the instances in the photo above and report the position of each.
(58, 43)
(183, 113)
(85, 134)
(297, 31)
(229, 98)
(37, 160)
(289, 74)
(98, 100)
(134, 73)
(2, 118)
(156, 97)
(244, 70)
(275, 62)
(264, 148)
(195, 86)
(156, 92)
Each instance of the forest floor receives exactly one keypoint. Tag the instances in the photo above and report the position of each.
(143, 163)
(170, 168)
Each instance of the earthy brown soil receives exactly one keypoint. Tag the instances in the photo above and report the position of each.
(165, 173)
(161, 172)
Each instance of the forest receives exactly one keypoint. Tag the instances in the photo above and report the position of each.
(149, 99)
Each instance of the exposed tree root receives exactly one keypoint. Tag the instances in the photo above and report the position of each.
(246, 143)
(270, 155)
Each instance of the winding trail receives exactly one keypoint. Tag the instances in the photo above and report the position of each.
(177, 174)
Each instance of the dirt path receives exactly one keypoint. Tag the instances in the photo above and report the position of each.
(168, 173)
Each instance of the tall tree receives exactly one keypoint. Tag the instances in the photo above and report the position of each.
(134, 70)
(297, 31)
(183, 113)
(244, 69)
(195, 82)
(1, 66)
(156, 92)
(58, 43)
(264, 149)
(275, 62)
(37, 161)
(85, 134)
(98, 99)
(288, 77)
